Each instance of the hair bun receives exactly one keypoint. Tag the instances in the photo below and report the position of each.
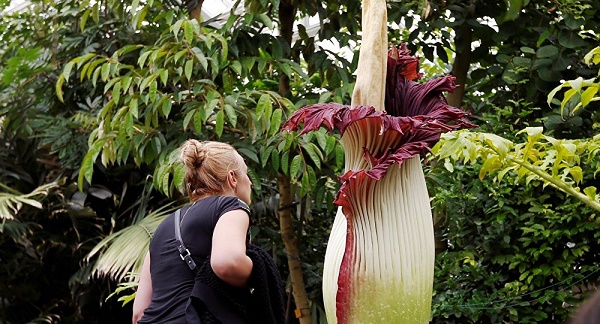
(193, 153)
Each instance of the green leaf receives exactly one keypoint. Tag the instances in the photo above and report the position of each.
(514, 7)
(84, 19)
(577, 173)
(30, 202)
(195, 25)
(188, 31)
(164, 76)
(236, 66)
(314, 153)
(169, 17)
(568, 94)
(590, 192)
(142, 59)
(180, 54)
(553, 93)
(110, 84)
(339, 156)
(152, 89)
(262, 63)
(105, 71)
(266, 20)
(275, 160)
(92, 68)
(265, 153)
(189, 65)
(178, 175)
(67, 70)
(201, 58)
(176, 26)
(295, 166)
(187, 119)
(321, 139)
(58, 87)
(521, 61)
(289, 140)
(128, 126)
(320, 195)
(588, 95)
(289, 105)
(219, 123)
(140, 17)
(576, 84)
(527, 50)
(199, 119)
(210, 107)
(305, 185)
(539, 63)
(231, 115)
(255, 180)
(330, 146)
(448, 165)
(570, 39)
(325, 96)
(285, 162)
(263, 102)
(250, 154)
(592, 57)
(549, 75)
(547, 51)
(116, 92)
(312, 177)
(133, 108)
(126, 83)
(441, 53)
(87, 165)
(95, 12)
(147, 81)
(275, 122)
(166, 107)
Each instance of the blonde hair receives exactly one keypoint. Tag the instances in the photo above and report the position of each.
(206, 166)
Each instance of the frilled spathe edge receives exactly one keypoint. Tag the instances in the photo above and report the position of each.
(417, 134)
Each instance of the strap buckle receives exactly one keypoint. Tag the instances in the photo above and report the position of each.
(188, 259)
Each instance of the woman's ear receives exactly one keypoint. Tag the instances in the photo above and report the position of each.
(232, 179)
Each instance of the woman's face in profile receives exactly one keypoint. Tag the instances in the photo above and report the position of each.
(244, 185)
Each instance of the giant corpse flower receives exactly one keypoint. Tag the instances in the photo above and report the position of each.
(380, 257)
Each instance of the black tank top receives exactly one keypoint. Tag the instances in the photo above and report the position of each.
(172, 279)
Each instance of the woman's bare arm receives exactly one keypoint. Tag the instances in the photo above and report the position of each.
(228, 256)
(143, 296)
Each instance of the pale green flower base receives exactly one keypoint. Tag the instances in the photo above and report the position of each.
(394, 264)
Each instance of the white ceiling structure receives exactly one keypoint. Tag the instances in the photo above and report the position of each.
(213, 8)
(16, 5)
(210, 9)
(222, 8)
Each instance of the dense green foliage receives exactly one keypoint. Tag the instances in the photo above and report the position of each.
(96, 97)
(518, 253)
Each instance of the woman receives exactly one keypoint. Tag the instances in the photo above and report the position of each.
(588, 311)
(214, 228)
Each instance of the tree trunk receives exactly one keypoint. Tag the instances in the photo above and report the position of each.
(287, 13)
(291, 246)
(194, 8)
(462, 62)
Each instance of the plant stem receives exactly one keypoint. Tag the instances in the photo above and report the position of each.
(557, 184)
